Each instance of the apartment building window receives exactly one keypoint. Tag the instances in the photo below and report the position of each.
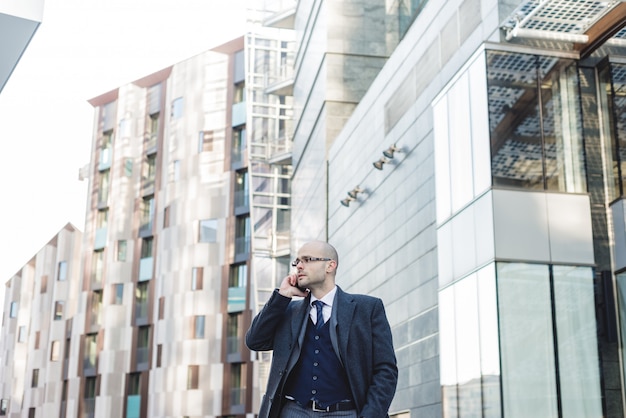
(44, 284)
(97, 267)
(32, 412)
(122, 249)
(146, 248)
(242, 235)
(193, 377)
(153, 131)
(242, 191)
(102, 218)
(103, 188)
(141, 301)
(175, 173)
(233, 337)
(143, 347)
(237, 384)
(37, 338)
(177, 108)
(159, 355)
(58, 310)
(205, 141)
(238, 275)
(90, 353)
(196, 278)
(4, 407)
(162, 307)
(128, 167)
(207, 230)
(55, 348)
(89, 397)
(62, 271)
(35, 379)
(239, 93)
(118, 293)
(105, 148)
(147, 216)
(198, 326)
(133, 395)
(13, 310)
(239, 144)
(21, 334)
(96, 307)
(166, 217)
(535, 122)
(149, 171)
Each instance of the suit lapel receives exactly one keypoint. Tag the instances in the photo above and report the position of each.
(340, 320)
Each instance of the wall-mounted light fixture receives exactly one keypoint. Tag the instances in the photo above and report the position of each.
(347, 200)
(389, 151)
(352, 193)
(379, 164)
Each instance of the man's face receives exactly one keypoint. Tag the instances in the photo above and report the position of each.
(313, 273)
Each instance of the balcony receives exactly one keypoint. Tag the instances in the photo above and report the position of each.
(145, 268)
(236, 299)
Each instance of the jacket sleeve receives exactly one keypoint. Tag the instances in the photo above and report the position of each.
(260, 336)
(382, 386)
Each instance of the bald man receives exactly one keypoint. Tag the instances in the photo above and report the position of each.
(332, 351)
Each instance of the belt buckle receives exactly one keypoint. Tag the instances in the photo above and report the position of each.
(316, 409)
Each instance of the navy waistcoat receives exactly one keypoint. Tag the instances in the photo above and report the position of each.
(318, 374)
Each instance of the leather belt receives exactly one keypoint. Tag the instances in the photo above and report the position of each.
(315, 406)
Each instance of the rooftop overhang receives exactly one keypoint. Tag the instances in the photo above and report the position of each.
(18, 23)
(583, 23)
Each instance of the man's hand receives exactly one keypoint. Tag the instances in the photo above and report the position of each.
(288, 287)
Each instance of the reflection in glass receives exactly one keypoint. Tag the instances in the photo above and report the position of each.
(526, 341)
(534, 119)
(575, 318)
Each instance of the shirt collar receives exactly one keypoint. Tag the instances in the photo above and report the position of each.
(327, 299)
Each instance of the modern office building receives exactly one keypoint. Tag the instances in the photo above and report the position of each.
(18, 23)
(467, 164)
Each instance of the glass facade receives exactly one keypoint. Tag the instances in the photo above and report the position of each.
(535, 122)
(523, 332)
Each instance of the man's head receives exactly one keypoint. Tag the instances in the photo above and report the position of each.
(316, 266)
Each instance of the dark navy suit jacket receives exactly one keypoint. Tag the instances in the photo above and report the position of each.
(361, 338)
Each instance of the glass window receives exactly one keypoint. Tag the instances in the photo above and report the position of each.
(232, 333)
(122, 246)
(58, 310)
(205, 141)
(240, 93)
(91, 352)
(118, 293)
(103, 189)
(21, 334)
(55, 350)
(62, 271)
(102, 217)
(526, 341)
(198, 326)
(196, 278)
(237, 384)
(575, 317)
(141, 301)
(177, 108)
(241, 188)
(238, 275)
(4, 406)
(13, 310)
(128, 167)
(534, 118)
(35, 379)
(143, 345)
(192, 377)
(146, 248)
(44, 284)
(208, 230)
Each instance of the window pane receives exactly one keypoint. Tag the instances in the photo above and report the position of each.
(579, 371)
(516, 148)
(562, 128)
(526, 341)
(208, 230)
(62, 272)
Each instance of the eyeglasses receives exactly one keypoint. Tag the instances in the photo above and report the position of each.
(307, 259)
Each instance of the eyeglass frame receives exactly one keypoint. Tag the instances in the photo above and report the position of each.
(306, 259)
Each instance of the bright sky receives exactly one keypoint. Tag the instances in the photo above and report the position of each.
(83, 48)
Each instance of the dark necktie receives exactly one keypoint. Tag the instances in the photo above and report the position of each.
(320, 317)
